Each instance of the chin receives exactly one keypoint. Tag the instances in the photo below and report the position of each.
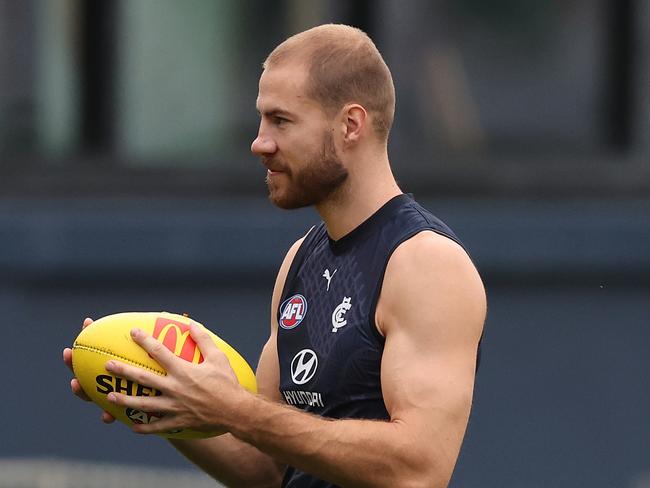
(287, 203)
(280, 197)
(287, 200)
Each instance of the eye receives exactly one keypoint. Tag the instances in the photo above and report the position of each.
(280, 120)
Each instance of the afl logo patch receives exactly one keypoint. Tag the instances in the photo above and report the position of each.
(292, 311)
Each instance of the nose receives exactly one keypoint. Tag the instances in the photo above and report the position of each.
(263, 145)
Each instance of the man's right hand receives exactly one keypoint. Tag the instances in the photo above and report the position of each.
(74, 383)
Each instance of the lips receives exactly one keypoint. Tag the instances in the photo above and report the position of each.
(273, 168)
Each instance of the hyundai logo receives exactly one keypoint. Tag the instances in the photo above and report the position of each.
(303, 366)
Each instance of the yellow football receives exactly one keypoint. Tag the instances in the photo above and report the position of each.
(109, 338)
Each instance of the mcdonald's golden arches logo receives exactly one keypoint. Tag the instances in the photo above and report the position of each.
(175, 336)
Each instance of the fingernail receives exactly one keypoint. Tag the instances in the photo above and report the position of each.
(109, 366)
(135, 332)
(111, 397)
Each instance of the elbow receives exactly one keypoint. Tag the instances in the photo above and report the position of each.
(418, 472)
(430, 482)
(420, 480)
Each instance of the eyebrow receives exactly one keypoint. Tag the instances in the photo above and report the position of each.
(275, 112)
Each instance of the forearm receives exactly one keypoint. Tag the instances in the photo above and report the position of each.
(351, 453)
(232, 461)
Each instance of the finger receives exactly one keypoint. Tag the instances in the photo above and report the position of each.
(144, 403)
(139, 375)
(87, 322)
(202, 339)
(75, 386)
(107, 418)
(156, 350)
(67, 357)
(164, 425)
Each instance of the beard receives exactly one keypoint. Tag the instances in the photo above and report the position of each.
(320, 176)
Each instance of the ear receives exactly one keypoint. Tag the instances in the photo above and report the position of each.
(355, 118)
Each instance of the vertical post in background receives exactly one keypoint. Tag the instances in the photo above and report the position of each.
(641, 128)
(619, 73)
(304, 14)
(98, 46)
(360, 14)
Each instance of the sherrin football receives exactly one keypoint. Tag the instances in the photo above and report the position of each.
(110, 338)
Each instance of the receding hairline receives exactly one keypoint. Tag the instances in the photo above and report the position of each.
(303, 43)
(335, 56)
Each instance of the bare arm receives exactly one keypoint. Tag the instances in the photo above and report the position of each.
(226, 458)
(230, 460)
(431, 311)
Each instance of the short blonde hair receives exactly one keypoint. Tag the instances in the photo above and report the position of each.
(344, 66)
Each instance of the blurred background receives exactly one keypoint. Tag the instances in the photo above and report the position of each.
(127, 184)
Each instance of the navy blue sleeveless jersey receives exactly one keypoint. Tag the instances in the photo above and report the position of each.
(329, 348)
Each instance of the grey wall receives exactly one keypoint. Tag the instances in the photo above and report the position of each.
(562, 394)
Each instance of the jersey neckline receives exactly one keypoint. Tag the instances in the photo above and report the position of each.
(375, 220)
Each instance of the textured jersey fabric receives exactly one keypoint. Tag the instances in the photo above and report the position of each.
(329, 348)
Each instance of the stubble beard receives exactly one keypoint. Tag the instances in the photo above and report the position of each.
(321, 176)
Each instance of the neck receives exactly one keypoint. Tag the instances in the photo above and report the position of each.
(363, 193)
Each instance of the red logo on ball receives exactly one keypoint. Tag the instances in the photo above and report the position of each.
(175, 336)
(293, 311)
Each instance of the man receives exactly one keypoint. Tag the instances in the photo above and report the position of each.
(376, 315)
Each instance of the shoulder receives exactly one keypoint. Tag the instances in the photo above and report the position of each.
(431, 251)
(289, 257)
(418, 216)
(283, 272)
(431, 274)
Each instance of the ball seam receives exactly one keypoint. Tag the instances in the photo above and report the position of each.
(118, 356)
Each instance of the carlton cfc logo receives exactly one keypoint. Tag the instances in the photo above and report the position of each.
(293, 310)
